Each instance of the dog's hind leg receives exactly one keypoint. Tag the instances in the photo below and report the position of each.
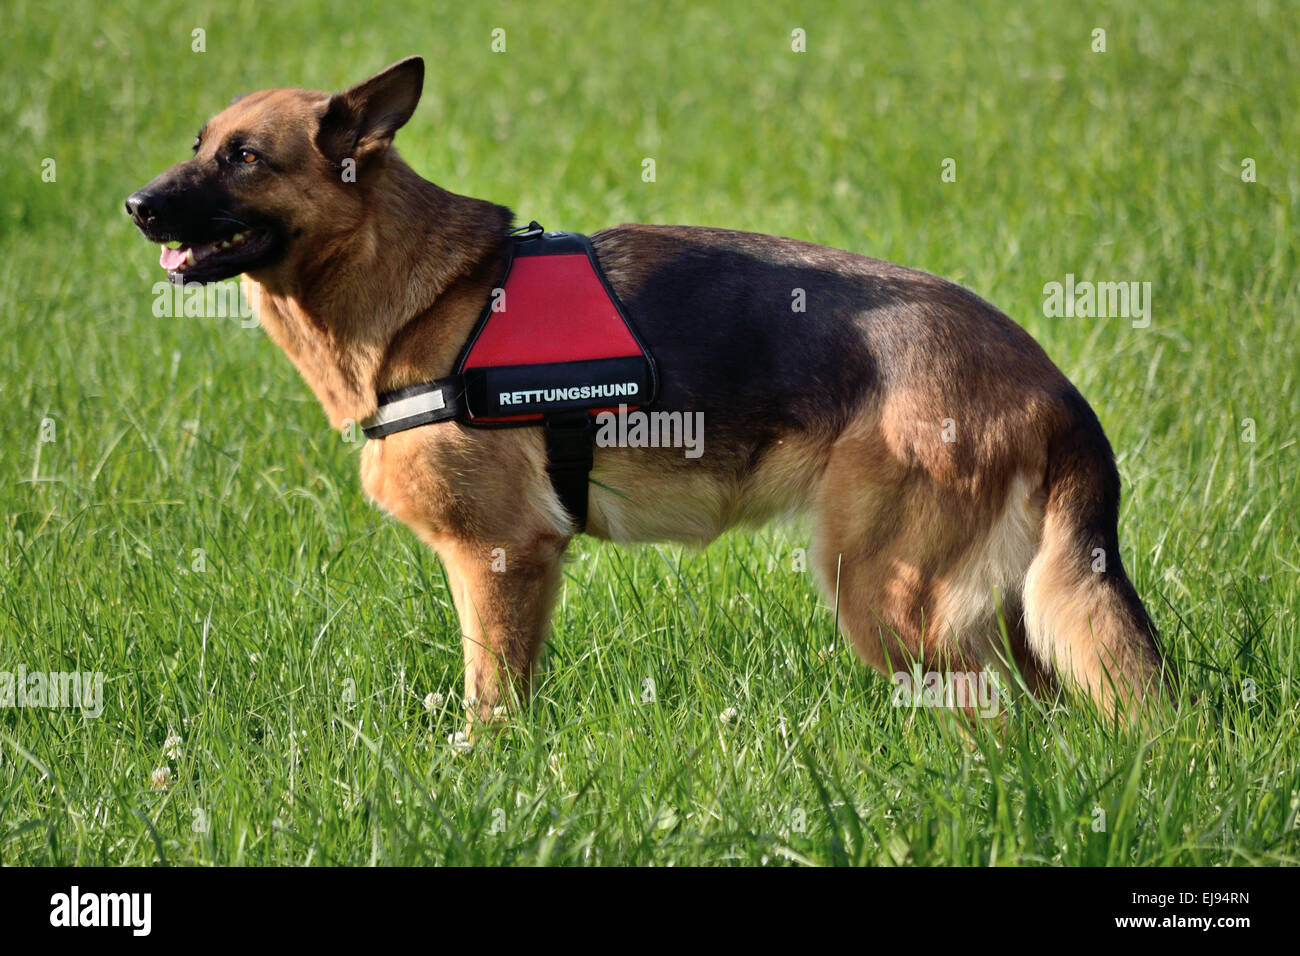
(918, 568)
(880, 543)
(503, 593)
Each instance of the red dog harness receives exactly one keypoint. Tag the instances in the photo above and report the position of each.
(553, 347)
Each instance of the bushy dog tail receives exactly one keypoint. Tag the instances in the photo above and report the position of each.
(1082, 615)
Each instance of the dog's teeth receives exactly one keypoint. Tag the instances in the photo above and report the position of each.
(189, 257)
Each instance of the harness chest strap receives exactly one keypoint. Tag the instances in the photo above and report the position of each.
(552, 347)
(423, 404)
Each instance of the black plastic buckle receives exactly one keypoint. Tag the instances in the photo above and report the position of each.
(530, 231)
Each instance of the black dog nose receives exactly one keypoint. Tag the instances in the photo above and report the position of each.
(138, 206)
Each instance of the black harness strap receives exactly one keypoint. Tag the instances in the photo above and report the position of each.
(423, 404)
(570, 442)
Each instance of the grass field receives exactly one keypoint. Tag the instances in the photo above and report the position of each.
(179, 517)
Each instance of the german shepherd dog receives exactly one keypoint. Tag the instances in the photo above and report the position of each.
(963, 494)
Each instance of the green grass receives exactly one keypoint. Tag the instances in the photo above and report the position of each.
(295, 668)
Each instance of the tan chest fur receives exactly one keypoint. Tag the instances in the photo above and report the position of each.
(449, 482)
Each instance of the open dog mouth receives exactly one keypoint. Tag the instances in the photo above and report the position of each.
(218, 258)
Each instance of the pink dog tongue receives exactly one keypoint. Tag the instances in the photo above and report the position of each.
(171, 258)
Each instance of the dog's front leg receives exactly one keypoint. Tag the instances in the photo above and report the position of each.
(503, 593)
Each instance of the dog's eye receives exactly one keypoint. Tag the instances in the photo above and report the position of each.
(248, 157)
(195, 147)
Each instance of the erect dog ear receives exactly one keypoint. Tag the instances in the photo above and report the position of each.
(361, 121)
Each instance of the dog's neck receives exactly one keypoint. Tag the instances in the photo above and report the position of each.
(390, 300)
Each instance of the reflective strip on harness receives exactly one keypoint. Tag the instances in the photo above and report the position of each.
(415, 405)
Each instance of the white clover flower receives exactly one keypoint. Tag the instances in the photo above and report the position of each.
(728, 715)
(433, 701)
(161, 778)
(172, 747)
(460, 743)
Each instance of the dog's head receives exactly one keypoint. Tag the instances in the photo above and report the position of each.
(275, 174)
